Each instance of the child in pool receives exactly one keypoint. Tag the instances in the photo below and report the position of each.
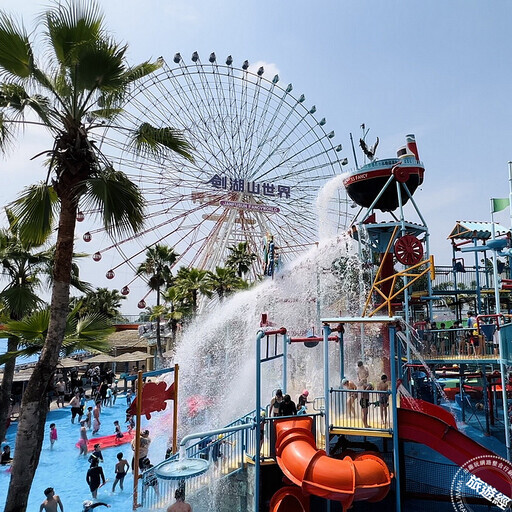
(119, 434)
(53, 434)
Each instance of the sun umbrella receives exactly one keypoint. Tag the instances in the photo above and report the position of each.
(131, 357)
(69, 362)
(100, 358)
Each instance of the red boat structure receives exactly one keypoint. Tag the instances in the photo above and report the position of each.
(373, 183)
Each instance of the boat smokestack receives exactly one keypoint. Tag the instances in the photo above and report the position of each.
(411, 145)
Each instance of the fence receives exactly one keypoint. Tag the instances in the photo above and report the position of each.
(361, 410)
(465, 280)
(455, 343)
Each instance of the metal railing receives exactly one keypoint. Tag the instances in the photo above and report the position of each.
(465, 280)
(225, 453)
(365, 410)
(449, 343)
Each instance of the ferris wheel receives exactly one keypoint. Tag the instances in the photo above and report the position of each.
(260, 158)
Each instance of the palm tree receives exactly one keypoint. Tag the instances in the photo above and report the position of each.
(82, 85)
(21, 263)
(89, 332)
(224, 281)
(157, 268)
(177, 309)
(240, 258)
(192, 282)
(101, 301)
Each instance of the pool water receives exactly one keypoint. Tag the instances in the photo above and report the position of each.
(64, 470)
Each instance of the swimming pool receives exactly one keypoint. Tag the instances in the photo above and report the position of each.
(63, 469)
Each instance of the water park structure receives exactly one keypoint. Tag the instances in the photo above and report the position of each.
(433, 433)
(338, 455)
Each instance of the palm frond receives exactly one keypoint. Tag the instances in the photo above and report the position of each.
(15, 98)
(35, 210)
(150, 140)
(119, 202)
(100, 67)
(16, 57)
(30, 329)
(19, 299)
(105, 113)
(7, 134)
(140, 71)
(71, 26)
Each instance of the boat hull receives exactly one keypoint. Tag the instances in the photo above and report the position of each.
(365, 185)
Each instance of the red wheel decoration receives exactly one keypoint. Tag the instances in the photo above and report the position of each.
(401, 175)
(80, 217)
(408, 250)
(125, 290)
(87, 237)
(141, 304)
(110, 274)
(96, 256)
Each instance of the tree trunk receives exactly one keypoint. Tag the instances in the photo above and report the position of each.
(29, 439)
(5, 395)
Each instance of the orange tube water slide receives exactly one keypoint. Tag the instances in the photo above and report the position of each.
(366, 477)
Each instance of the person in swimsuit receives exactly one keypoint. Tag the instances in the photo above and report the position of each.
(53, 435)
(287, 407)
(352, 396)
(6, 455)
(89, 505)
(75, 408)
(119, 434)
(122, 467)
(181, 505)
(275, 403)
(364, 402)
(94, 477)
(96, 421)
(96, 454)
(383, 399)
(82, 442)
(51, 501)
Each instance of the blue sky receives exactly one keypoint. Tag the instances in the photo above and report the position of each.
(438, 69)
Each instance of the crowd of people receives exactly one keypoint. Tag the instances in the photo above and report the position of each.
(86, 396)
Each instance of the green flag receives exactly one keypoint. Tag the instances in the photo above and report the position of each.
(499, 204)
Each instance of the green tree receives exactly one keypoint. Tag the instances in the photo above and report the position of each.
(191, 283)
(240, 258)
(82, 82)
(21, 263)
(100, 301)
(157, 268)
(224, 282)
(178, 309)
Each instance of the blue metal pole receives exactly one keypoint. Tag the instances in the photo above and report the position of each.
(342, 356)
(396, 454)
